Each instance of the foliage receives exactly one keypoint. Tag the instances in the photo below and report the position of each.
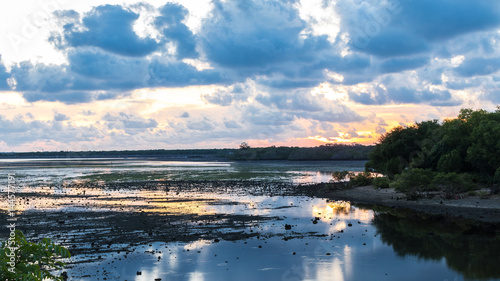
(360, 179)
(469, 144)
(244, 152)
(451, 183)
(33, 261)
(496, 178)
(413, 182)
(244, 145)
(381, 182)
(323, 152)
(340, 176)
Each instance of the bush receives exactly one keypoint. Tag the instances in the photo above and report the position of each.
(413, 182)
(361, 179)
(340, 176)
(453, 183)
(382, 182)
(496, 178)
(33, 261)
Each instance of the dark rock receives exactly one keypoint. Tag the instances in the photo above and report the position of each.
(288, 227)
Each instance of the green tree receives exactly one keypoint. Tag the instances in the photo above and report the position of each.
(33, 261)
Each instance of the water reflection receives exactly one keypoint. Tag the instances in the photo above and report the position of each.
(470, 249)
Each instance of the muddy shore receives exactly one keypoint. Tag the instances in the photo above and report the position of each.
(463, 206)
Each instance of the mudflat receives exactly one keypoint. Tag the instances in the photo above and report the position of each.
(464, 205)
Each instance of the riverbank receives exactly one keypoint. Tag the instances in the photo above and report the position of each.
(469, 207)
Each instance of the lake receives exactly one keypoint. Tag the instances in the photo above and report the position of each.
(143, 220)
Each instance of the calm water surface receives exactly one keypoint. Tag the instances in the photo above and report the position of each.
(326, 240)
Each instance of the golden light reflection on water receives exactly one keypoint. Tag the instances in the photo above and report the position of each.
(155, 201)
(338, 213)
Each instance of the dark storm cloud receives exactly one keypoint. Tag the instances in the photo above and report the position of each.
(110, 27)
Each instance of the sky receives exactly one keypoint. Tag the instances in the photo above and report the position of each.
(112, 75)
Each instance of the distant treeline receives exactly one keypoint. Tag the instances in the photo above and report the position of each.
(323, 152)
(153, 153)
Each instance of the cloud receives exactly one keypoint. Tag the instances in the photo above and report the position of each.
(394, 42)
(165, 73)
(258, 34)
(302, 104)
(96, 75)
(478, 66)
(88, 112)
(118, 71)
(231, 124)
(171, 26)
(234, 93)
(71, 97)
(110, 28)
(404, 95)
(18, 131)
(204, 124)
(402, 28)
(401, 64)
(4, 75)
(444, 19)
(184, 115)
(58, 117)
(295, 101)
(129, 123)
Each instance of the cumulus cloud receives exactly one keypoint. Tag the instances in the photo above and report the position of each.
(4, 75)
(302, 104)
(18, 131)
(478, 66)
(117, 71)
(129, 123)
(403, 95)
(401, 64)
(396, 28)
(256, 34)
(203, 124)
(171, 25)
(234, 93)
(58, 117)
(110, 28)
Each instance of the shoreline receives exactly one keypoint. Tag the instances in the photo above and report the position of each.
(470, 207)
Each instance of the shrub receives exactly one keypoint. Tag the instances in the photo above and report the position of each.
(382, 182)
(413, 182)
(453, 183)
(361, 179)
(33, 261)
(496, 177)
(340, 176)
